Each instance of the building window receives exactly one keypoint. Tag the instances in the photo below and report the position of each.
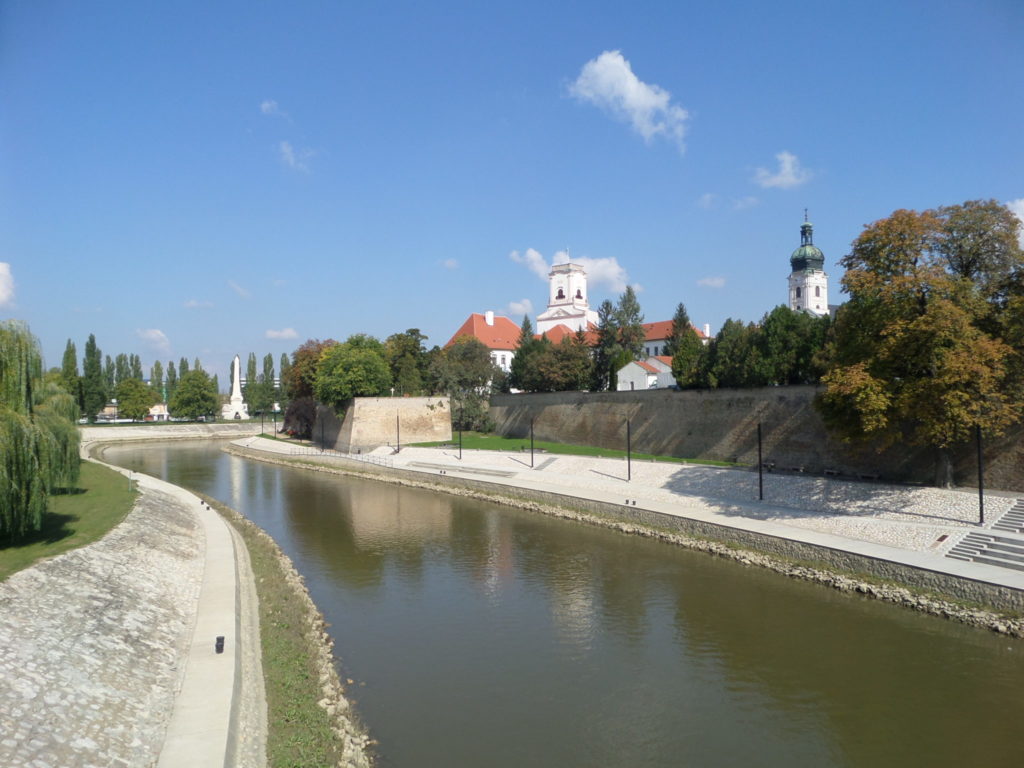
(798, 291)
(579, 294)
(561, 294)
(817, 291)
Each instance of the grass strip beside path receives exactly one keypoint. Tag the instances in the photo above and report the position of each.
(79, 517)
(478, 441)
(298, 668)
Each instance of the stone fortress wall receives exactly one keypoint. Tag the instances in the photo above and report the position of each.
(370, 422)
(722, 425)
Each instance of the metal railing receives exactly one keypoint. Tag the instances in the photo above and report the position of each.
(329, 453)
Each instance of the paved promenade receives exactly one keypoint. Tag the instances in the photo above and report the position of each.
(915, 526)
(107, 652)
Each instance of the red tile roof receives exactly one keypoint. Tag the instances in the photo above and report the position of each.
(560, 331)
(504, 334)
(666, 359)
(662, 329)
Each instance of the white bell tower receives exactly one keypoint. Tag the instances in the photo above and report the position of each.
(567, 300)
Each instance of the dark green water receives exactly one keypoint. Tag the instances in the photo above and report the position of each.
(484, 636)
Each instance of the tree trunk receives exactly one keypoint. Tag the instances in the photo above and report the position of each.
(944, 468)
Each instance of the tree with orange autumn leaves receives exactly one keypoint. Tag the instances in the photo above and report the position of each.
(930, 345)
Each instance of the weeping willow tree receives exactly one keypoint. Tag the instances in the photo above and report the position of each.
(38, 436)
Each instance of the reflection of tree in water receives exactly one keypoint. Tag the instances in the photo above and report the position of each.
(890, 683)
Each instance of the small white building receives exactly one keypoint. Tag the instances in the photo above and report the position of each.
(496, 332)
(651, 373)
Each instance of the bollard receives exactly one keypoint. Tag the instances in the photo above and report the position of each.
(219, 645)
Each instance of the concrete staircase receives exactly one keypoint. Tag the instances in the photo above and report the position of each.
(1013, 520)
(990, 549)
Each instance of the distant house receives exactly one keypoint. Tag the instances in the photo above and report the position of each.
(653, 373)
(657, 336)
(496, 332)
(158, 413)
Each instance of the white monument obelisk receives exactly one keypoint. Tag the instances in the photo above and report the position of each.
(236, 407)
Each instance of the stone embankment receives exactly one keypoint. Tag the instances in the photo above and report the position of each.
(92, 642)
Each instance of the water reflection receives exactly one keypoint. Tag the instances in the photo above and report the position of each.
(489, 636)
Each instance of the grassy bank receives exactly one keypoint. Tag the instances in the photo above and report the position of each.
(296, 662)
(76, 518)
(479, 441)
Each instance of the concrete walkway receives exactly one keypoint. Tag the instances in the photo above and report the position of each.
(107, 652)
(914, 526)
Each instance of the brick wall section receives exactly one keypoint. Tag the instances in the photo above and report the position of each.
(721, 424)
(371, 422)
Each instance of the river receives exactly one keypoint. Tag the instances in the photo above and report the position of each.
(479, 635)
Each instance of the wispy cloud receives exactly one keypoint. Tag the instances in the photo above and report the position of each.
(197, 304)
(450, 264)
(1017, 206)
(242, 292)
(284, 333)
(6, 285)
(608, 82)
(297, 160)
(742, 203)
(517, 308)
(606, 271)
(707, 200)
(712, 282)
(790, 174)
(156, 339)
(271, 108)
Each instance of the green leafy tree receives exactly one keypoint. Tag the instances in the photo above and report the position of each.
(109, 374)
(197, 365)
(566, 366)
(69, 372)
(737, 361)
(607, 349)
(136, 367)
(356, 368)
(680, 325)
(630, 322)
(134, 399)
(523, 370)
(301, 374)
(465, 372)
(790, 344)
(156, 379)
(38, 435)
(194, 396)
(406, 358)
(172, 380)
(282, 377)
(94, 383)
(182, 367)
(688, 353)
(122, 368)
(913, 357)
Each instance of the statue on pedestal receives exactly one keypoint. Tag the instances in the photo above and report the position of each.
(235, 408)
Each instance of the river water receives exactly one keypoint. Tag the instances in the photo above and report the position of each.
(484, 636)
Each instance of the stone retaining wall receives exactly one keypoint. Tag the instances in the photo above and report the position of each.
(721, 424)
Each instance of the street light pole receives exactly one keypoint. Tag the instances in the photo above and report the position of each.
(760, 466)
(531, 443)
(460, 433)
(629, 452)
(981, 478)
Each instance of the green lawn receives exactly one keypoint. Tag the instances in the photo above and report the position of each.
(478, 441)
(101, 501)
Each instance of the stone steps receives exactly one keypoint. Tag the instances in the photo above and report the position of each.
(1013, 520)
(990, 549)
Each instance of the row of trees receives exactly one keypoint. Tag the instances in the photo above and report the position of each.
(38, 434)
(362, 366)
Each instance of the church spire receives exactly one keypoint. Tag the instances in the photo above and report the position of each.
(806, 231)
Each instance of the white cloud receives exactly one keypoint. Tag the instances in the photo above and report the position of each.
(450, 264)
(271, 108)
(284, 333)
(239, 289)
(6, 285)
(606, 271)
(789, 175)
(608, 82)
(534, 262)
(517, 308)
(707, 200)
(742, 203)
(1017, 206)
(712, 282)
(197, 304)
(156, 339)
(297, 160)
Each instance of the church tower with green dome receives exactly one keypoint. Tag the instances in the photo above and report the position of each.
(808, 283)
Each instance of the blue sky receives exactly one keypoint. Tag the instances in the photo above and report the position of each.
(204, 179)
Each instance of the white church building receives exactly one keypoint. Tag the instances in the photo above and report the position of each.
(567, 300)
(808, 283)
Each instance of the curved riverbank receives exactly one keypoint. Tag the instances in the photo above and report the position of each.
(941, 594)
